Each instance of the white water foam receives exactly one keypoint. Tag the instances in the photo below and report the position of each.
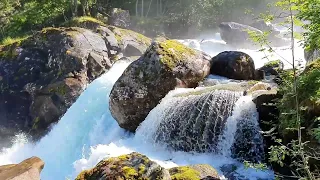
(213, 45)
(244, 109)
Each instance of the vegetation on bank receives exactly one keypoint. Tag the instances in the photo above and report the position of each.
(21, 17)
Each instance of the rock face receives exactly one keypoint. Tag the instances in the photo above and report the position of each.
(234, 65)
(164, 66)
(131, 166)
(42, 76)
(119, 17)
(199, 171)
(311, 55)
(130, 42)
(238, 35)
(28, 169)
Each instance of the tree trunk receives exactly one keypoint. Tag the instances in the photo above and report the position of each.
(75, 4)
(142, 8)
(137, 3)
(157, 8)
(149, 8)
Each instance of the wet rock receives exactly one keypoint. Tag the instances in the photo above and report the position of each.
(119, 17)
(272, 68)
(199, 171)
(43, 76)
(234, 65)
(28, 169)
(164, 66)
(131, 166)
(229, 171)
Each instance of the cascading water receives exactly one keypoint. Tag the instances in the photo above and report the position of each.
(87, 133)
(217, 122)
(191, 123)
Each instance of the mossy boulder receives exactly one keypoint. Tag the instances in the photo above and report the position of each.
(130, 42)
(132, 166)
(194, 172)
(86, 22)
(164, 66)
(233, 64)
(41, 76)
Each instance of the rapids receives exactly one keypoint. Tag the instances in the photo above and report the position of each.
(87, 133)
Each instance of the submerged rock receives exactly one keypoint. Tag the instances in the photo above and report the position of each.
(165, 66)
(131, 166)
(28, 169)
(194, 172)
(233, 64)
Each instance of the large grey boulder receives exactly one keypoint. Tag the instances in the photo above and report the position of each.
(164, 66)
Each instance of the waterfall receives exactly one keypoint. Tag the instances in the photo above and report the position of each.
(212, 122)
(191, 123)
(241, 137)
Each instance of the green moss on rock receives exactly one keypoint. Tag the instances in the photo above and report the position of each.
(194, 172)
(274, 63)
(184, 173)
(121, 34)
(9, 51)
(313, 65)
(132, 166)
(172, 53)
(84, 21)
(129, 172)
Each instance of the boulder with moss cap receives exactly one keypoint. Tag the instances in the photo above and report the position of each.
(130, 166)
(164, 66)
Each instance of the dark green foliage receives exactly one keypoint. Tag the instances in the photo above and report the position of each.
(27, 15)
(308, 90)
(18, 17)
(309, 10)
